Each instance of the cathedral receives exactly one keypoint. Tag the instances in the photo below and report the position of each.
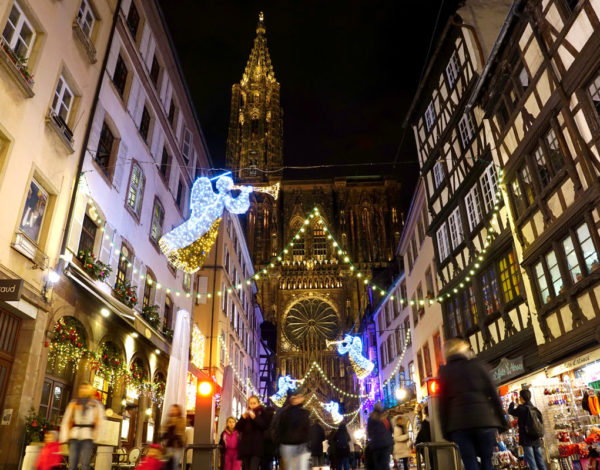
(311, 295)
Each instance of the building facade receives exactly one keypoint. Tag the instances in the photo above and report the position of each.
(419, 295)
(480, 287)
(232, 317)
(540, 95)
(51, 57)
(118, 300)
(307, 263)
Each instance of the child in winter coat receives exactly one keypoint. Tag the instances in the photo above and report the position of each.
(50, 457)
(153, 460)
(228, 445)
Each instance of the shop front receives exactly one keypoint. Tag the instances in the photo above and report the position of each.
(566, 395)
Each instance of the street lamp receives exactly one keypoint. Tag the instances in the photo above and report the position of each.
(359, 434)
(400, 393)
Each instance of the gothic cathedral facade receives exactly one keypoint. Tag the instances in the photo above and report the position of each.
(310, 294)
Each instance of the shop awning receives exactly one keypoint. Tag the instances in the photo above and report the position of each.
(575, 362)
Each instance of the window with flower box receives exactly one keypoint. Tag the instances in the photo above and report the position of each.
(19, 34)
(87, 238)
(122, 266)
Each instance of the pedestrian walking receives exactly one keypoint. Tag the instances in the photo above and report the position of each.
(317, 436)
(152, 460)
(173, 436)
(424, 434)
(331, 451)
(380, 441)
(342, 446)
(50, 457)
(228, 446)
(294, 433)
(269, 445)
(470, 408)
(81, 425)
(531, 430)
(401, 443)
(252, 427)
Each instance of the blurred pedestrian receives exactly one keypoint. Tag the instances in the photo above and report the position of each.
(228, 446)
(530, 436)
(342, 446)
(269, 445)
(50, 457)
(331, 451)
(380, 441)
(401, 443)
(294, 433)
(153, 459)
(424, 434)
(81, 425)
(173, 435)
(252, 426)
(317, 436)
(470, 408)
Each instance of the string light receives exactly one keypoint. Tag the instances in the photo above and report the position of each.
(197, 347)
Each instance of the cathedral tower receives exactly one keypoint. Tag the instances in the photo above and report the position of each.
(255, 139)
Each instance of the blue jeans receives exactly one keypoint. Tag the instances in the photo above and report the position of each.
(533, 458)
(344, 463)
(80, 451)
(296, 457)
(473, 443)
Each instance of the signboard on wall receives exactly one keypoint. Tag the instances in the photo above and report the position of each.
(507, 369)
(10, 289)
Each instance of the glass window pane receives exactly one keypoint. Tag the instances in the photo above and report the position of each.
(587, 248)
(554, 270)
(572, 261)
(542, 283)
(33, 212)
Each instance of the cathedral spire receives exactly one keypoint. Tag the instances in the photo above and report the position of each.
(259, 65)
(255, 139)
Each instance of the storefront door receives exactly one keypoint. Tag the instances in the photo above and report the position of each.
(55, 397)
(9, 332)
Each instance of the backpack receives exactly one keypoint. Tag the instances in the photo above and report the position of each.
(534, 424)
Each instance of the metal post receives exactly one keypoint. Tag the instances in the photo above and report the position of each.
(204, 420)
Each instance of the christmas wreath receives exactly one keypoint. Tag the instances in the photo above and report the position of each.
(67, 345)
(94, 267)
(125, 292)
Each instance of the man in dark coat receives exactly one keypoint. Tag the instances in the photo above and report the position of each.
(317, 436)
(470, 409)
(269, 446)
(531, 445)
(379, 440)
(294, 433)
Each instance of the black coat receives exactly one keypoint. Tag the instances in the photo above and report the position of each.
(468, 398)
(294, 425)
(342, 443)
(521, 413)
(252, 434)
(424, 434)
(378, 435)
(317, 436)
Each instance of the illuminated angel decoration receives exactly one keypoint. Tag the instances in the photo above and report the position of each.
(187, 245)
(353, 346)
(333, 408)
(284, 384)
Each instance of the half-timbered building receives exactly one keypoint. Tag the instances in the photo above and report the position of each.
(541, 95)
(480, 285)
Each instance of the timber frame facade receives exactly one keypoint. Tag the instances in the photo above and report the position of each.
(541, 97)
(481, 287)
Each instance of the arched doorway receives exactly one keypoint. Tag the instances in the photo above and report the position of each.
(67, 347)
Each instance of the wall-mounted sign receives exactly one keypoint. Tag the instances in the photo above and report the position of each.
(507, 369)
(10, 289)
(6, 416)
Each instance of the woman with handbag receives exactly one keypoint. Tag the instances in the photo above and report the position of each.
(173, 436)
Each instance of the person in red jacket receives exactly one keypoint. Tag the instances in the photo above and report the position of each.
(50, 457)
(153, 460)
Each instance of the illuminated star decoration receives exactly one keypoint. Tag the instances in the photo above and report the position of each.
(353, 346)
(334, 410)
(187, 245)
(284, 384)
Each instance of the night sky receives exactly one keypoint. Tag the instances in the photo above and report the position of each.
(348, 72)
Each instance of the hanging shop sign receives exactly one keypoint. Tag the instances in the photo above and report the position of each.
(10, 289)
(575, 363)
(507, 369)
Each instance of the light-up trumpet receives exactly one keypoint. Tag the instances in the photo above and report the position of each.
(272, 190)
(353, 346)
